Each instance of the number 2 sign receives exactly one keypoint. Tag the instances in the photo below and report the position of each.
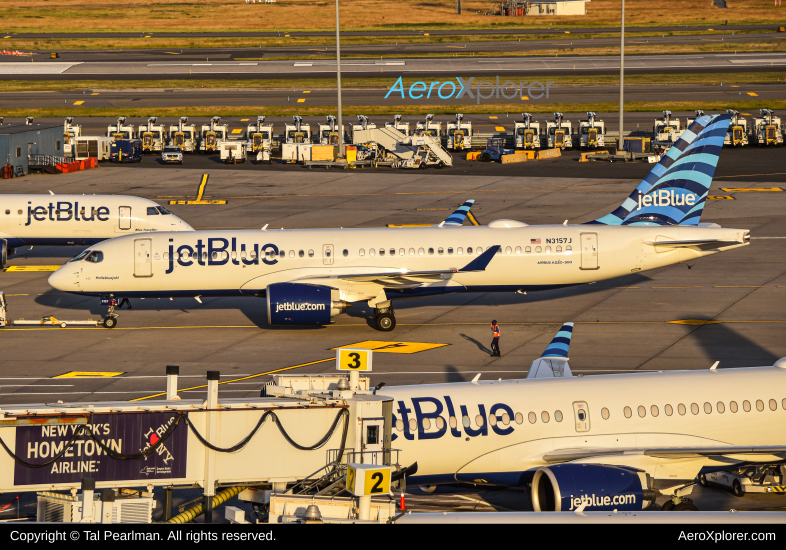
(353, 359)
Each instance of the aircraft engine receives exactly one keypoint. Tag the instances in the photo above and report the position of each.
(302, 304)
(565, 487)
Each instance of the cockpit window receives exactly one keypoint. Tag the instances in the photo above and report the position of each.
(80, 256)
(163, 210)
(95, 257)
(152, 211)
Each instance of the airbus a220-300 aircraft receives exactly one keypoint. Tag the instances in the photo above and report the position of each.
(66, 220)
(311, 275)
(595, 442)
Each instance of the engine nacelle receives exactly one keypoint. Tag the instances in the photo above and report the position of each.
(565, 487)
(302, 304)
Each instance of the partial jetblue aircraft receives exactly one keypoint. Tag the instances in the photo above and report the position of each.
(66, 220)
(598, 442)
(311, 275)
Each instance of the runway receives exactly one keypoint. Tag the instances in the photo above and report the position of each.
(225, 68)
(725, 307)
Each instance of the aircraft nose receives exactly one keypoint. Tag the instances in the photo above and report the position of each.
(59, 280)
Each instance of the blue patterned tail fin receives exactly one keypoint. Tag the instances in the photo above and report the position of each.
(457, 217)
(554, 361)
(675, 190)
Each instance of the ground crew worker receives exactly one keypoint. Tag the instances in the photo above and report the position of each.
(495, 342)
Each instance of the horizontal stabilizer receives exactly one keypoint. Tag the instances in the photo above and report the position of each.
(703, 244)
(554, 361)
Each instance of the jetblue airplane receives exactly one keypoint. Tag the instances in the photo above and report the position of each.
(66, 220)
(599, 442)
(310, 275)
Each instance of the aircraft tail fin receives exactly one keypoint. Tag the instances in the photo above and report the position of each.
(457, 217)
(554, 361)
(675, 190)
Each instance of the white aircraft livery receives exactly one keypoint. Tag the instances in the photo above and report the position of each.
(598, 442)
(65, 220)
(311, 275)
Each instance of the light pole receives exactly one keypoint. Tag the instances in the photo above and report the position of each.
(622, 76)
(338, 85)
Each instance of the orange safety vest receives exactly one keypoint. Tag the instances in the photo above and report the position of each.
(495, 328)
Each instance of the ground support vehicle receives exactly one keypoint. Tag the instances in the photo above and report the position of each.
(495, 148)
(329, 133)
(559, 133)
(232, 152)
(766, 478)
(172, 155)
(92, 146)
(125, 150)
(527, 133)
(402, 127)
(70, 133)
(211, 134)
(153, 136)
(459, 134)
(297, 132)
(767, 129)
(183, 136)
(429, 128)
(666, 131)
(121, 130)
(592, 132)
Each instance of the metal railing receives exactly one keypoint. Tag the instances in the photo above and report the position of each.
(45, 160)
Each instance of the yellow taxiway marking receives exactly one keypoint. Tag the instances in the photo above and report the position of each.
(751, 189)
(694, 322)
(306, 91)
(752, 94)
(237, 131)
(301, 100)
(19, 295)
(735, 86)
(738, 286)
(201, 192)
(33, 268)
(173, 53)
(393, 347)
(410, 224)
(83, 374)
(749, 175)
(499, 128)
(524, 98)
(95, 93)
(243, 120)
(243, 378)
(78, 102)
(472, 219)
(493, 118)
(676, 287)
(746, 114)
(720, 197)
(458, 47)
(9, 36)
(433, 208)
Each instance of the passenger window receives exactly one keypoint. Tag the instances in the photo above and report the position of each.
(628, 412)
(568, 249)
(548, 250)
(346, 252)
(291, 253)
(527, 249)
(253, 254)
(694, 408)
(707, 408)
(669, 410)
(401, 251)
(400, 425)
(411, 251)
(280, 254)
(421, 251)
(532, 417)
(371, 251)
(453, 422)
(558, 416)
(479, 250)
(234, 254)
(460, 251)
(392, 251)
(783, 403)
(430, 251)
(746, 406)
(450, 251)
(440, 423)
(773, 405)
(95, 257)
(426, 424)
(465, 421)
(508, 250)
(681, 409)
(413, 425)
(469, 250)
(604, 412)
(492, 420)
(519, 418)
(759, 402)
(538, 249)
(361, 252)
(654, 410)
(381, 251)
(721, 407)
(518, 250)
(558, 249)
(733, 406)
(440, 251)
(310, 253)
(301, 253)
(243, 254)
(479, 421)
(544, 416)
(506, 419)
(215, 255)
(151, 211)
(642, 411)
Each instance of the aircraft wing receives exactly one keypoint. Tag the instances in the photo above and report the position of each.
(702, 244)
(403, 278)
(568, 455)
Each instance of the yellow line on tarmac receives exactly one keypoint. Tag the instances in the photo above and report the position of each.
(202, 185)
(243, 378)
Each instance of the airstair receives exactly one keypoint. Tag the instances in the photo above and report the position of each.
(406, 148)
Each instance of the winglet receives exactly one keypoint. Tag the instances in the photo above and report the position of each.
(554, 361)
(457, 217)
(480, 263)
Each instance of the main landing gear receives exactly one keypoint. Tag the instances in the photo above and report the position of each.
(385, 318)
(110, 321)
(682, 505)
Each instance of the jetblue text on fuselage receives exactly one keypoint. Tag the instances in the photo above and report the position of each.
(64, 211)
(483, 89)
(212, 253)
(431, 408)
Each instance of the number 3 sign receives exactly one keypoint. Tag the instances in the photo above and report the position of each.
(353, 359)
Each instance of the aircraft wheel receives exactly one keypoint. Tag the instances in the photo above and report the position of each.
(110, 322)
(703, 481)
(668, 506)
(736, 489)
(686, 507)
(427, 488)
(386, 322)
(3, 252)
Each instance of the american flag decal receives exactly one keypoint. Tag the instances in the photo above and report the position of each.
(534, 241)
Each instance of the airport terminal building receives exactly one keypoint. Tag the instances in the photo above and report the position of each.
(20, 143)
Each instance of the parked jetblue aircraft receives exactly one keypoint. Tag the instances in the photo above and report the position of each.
(311, 275)
(602, 442)
(66, 220)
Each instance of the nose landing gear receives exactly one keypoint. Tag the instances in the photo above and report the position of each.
(110, 321)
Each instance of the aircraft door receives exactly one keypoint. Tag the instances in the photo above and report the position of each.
(143, 261)
(372, 437)
(589, 251)
(124, 218)
(327, 254)
(581, 415)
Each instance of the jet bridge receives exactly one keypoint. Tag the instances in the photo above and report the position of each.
(300, 435)
(405, 149)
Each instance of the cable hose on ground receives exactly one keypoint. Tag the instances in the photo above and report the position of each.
(85, 429)
(243, 442)
(199, 509)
